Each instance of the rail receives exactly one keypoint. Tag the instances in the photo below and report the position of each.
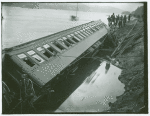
(123, 40)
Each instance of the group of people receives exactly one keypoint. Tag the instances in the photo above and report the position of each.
(117, 20)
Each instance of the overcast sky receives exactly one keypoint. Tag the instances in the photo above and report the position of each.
(123, 6)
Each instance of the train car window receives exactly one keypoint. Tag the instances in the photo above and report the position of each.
(64, 42)
(50, 49)
(88, 30)
(80, 37)
(86, 33)
(28, 61)
(31, 52)
(25, 59)
(95, 27)
(35, 56)
(47, 54)
(92, 29)
(68, 36)
(46, 46)
(80, 34)
(38, 58)
(40, 49)
(43, 51)
(22, 56)
(83, 36)
(58, 45)
(69, 41)
(75, 37)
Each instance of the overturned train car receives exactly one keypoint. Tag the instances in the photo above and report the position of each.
(31, 69)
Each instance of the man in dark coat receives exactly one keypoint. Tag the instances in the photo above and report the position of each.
(113, 18)
(129, 18)
(117, 19)
(120, 21)
(124, 20)
(109, 21)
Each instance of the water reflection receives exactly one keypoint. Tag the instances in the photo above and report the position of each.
(94, 94)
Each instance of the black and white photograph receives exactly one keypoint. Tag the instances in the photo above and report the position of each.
(74, 57)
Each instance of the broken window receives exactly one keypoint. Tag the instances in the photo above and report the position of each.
(78, 35)
(69, 41)
(38, 58)
(75, 38)
(44, 52)
(58, 45)
(25, 59)
(79, 32)
(51, 49)
(64, 42)
(35, 56)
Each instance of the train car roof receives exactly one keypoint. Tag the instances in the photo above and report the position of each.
(47, 68)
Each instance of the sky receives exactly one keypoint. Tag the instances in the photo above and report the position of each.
(123, 6)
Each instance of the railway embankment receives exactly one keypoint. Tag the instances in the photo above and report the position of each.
(130, 56)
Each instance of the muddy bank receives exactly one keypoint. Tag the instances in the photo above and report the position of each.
(132, 64)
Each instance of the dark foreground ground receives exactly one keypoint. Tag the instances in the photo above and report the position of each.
(134, 99)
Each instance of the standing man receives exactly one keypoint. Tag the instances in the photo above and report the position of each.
(124, 20)
(109, 20)
(129, 18)
(113, 18)
(117, 19)
(120, 22)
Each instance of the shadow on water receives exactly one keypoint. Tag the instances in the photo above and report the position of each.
(66, 87)
(89, 90)
(95, 93)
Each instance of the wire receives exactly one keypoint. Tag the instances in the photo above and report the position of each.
(123, 39)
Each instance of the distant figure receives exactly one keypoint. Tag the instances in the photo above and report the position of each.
(113, 18)
(117, 18)
(107, 67)
(109, 21)
(120, 22)
(124, 20)
(129, 18)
